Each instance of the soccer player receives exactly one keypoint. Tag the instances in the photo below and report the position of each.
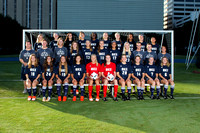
(149, 53)
(164, 54)
(114, 53)
(74, 50)
(43, 52)
(78, 76)
(155, 46)
(138, 76)
(102, 52)
(23, 58)
(38, 43)
(109, 68)
(128, 53)
(143, 43)
(106, 40)
(151, 73)
(94, 41)
(166, 78)
(118, 42)
(93, 68)
(62, 74)
(33, 72)
(139, 52)
(124, 75)
(60, 51)
(68, 41)
(131, 41)
(53, 44)
(82, 41)
(48, 73)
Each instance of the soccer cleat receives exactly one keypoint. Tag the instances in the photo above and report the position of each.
(44, 99)
(64, 98)
(142, 97)
(129, 97)
(139, 98)
(152, 97)
(82, 98)
(33, 98)
(24, 91)
(105, 99)
(115, 99)
(123, 97)
(74, 98)
(165, 97)
(90, 98)
(29, 98)
(48, 99)
(97, 99)
(77, 92)
(171, 97)
(59, 98)
(158, 97)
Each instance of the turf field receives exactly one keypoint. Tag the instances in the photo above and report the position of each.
(179, 115)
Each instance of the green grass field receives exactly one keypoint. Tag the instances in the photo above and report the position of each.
(156, 116)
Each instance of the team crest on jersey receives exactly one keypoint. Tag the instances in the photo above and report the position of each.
(60, 52)
(26, 55)
(44, 54)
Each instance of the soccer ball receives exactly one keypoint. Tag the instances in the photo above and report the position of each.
(110, 77)
(94, 75)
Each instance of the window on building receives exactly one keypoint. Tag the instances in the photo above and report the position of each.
(189, 0)
(178, 0)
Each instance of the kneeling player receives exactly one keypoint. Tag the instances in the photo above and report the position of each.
(166, 78)
(32, 72)
(109, 74)
(48, 73)
(62, 74)
(124, 75)
(152, 77)
(93, 75)
(138, 75)
(78, 76)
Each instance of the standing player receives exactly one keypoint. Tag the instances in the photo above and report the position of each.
(109, 68)
(166, 78)
(118, 42)
(143, 43)
(48, 73)
(93, 74)
(164, 54)
(124, 75)
(114, 53)
(59, 51)
(23, 58)
(151, 72)
(53, 44)
(106, 40)
(139, 52)
(82, 41)
(38, 43)
(62, 74)
(131, 41)
(155, 46)
(102, 52)
(78, 76)
(128, 53)
(149, 53)
(33, 72)
(74, 50)
(68, 41)
(94, 41)
(138, 76)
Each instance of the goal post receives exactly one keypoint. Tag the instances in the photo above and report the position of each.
(168, 36)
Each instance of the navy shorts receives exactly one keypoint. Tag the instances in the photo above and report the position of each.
(23, 75)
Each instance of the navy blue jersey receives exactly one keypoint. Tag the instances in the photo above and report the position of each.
(72, 55)
(48, 73)
(165, 71)
(53, 44)
(87, 55)
(41, 54)
(33, 72)
(138, 70)
(25, 54)
(37, 46)
(82, 44)
(147, 55)
(94, 44)
(129, 58)
(78, 71)
(151, 70)
(143, 46)
(139, 53)
(160, 56)
(107, 44)
(119, 45)
(68, 45)
(58, 52)
(155, 48)
(124, 70)
(132, 45)
(102, 55)
(115, 55)
(62, 75)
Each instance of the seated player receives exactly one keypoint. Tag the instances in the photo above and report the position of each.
(124, 75)
(33, 72)
(151, 73)
(62, 74)
(138, 76)
(109, 68)
(48, 73)
(166, 78)
(93, 76)
(78, 76)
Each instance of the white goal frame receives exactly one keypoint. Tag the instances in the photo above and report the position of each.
(136, 31)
